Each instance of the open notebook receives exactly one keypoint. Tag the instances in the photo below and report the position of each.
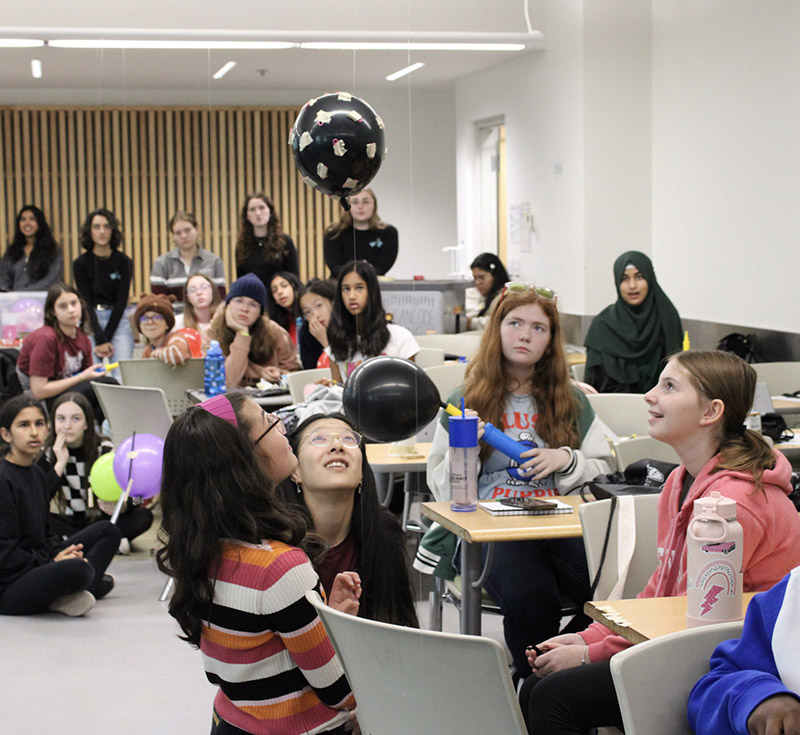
(496, 508)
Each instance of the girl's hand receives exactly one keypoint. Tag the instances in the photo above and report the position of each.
(481, 424)
(232, 323)
(272, 373)
(567, 639)
(171, 355)
(778, 714)
(345, 593)
(61, 453)
(352, 726)
(318, 332)
(559, 657)
(544, 462)
(98, 370)
(73, 551)
(104, 350)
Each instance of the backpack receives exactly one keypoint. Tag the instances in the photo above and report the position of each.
(9, 380)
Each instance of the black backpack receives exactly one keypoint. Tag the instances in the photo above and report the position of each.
(9, 380)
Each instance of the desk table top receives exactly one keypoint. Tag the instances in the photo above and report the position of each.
(643, 618)
(479, 526)
(381, 458)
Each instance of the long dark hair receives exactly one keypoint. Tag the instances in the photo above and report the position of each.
(50, 319)
(366, 332)
(380, 542)
(86, 229)
(246, 240)
(10, 410)
(45, 248)
(212, 488)
(490, 263)
(276, 312)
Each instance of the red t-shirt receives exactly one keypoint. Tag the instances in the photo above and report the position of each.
(340, 558)
(47, 354)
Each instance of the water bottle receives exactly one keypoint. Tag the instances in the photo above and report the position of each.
(464, 462)
(714, 562)
(214, 370)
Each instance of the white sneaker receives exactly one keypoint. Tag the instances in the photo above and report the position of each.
(74, 605)
(124, 547)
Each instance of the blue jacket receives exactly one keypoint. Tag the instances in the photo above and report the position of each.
(745, 672)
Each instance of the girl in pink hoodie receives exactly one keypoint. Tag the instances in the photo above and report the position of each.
(698, 407)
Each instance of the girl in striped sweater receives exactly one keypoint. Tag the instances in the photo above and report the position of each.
(242, 564)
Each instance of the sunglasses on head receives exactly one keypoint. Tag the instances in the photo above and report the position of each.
(519, 287)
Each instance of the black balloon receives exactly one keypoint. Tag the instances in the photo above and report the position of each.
(338, 144)
(390, 398)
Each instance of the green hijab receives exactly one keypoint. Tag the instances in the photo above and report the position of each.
(630, 342)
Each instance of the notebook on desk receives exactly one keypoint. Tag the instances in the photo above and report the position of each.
(496, 508)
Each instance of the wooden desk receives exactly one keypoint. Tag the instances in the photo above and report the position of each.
(643, 618)
(477, 527)
(383, 462)
(785, 406)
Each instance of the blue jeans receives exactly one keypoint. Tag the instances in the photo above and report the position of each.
(527, 580)
(122, 341)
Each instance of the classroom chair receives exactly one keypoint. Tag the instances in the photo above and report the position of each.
(447, 378)
(632, 535)
(628, 451)
(297, 381)
(578, 371)
(625, 414)
(429, 356)
(129, 409)
(653, 679)
(464, 344)
(407, 680)
(174, 381)
(781, 377)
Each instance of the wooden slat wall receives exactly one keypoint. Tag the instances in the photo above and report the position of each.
(144, 163)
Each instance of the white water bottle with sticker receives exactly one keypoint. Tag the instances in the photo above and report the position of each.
(713, 562)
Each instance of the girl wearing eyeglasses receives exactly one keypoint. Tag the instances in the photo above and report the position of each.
(242, 563)
(518, 380)
(154, 320)
(254, 346)
(334, 487)
(358, 328)
(628, 341)
(200, 302)
(360, 234)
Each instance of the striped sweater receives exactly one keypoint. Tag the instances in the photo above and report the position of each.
(265, 647)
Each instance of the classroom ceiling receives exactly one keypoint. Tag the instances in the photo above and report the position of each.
(120, 70)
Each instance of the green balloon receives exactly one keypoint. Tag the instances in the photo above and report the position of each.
(104, 485)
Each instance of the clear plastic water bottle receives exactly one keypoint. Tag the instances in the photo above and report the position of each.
(713, 562)
(214, 370)
(464, 462)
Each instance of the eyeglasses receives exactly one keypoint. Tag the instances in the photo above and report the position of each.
(274, 421)
(192, 290)
(323, 439)
(543, 292)
(151, 319)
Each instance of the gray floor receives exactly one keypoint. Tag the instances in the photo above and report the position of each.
(121, 669)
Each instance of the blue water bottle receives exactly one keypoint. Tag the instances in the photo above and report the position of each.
(214, 370)
(463, 462)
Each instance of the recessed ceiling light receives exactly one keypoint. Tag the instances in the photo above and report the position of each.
(36, 68)
(122, 43)
(20, 43)
(403, 72)
(224, 70)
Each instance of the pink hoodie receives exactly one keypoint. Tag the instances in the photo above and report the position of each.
(771, 527)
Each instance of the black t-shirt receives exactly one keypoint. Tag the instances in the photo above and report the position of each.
(266, 269)
(377, 247)
(104, 282)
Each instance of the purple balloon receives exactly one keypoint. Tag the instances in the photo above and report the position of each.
(144, 468)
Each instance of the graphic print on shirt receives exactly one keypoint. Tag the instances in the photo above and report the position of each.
(376, 243)
(501, 477)
(72, 364)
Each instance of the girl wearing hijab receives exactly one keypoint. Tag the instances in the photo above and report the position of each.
(628, 341)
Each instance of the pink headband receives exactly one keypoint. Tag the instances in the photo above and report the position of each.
(221, 407)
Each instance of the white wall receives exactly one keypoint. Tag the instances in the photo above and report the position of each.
(726, 159)
(416, 183)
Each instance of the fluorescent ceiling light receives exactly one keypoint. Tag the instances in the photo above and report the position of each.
(405, 71)
(224, 70)
(20, 43)
(409, 46)
(36, 68)
(167, 44)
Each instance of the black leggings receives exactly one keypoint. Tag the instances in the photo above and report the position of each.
(571, 702)
(35, 590)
